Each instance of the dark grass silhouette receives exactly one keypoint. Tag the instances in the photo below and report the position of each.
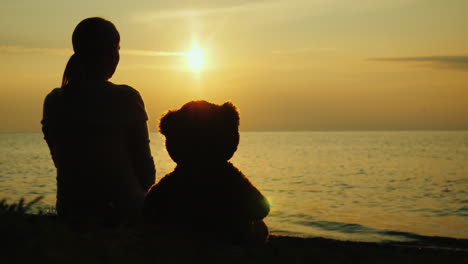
(44, 238)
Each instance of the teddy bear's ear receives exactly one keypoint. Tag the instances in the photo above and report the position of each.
(166, 123)
(230, 112)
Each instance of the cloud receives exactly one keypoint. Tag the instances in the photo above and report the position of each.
(57, 51)
(19, 49)
(299, 7)
(301, 51)
(151, 53)
(182, 12)
(455, 62)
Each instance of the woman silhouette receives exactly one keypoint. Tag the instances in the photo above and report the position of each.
(97, 133)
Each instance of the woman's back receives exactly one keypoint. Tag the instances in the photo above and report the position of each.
(95, 135)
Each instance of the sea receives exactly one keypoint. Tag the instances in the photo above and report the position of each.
(369, 186)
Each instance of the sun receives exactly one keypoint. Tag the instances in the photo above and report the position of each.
(195, 58)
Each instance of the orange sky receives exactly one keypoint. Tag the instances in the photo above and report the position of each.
(287, 64)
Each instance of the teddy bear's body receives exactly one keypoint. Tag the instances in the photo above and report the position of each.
(206, 193)
(218, 200)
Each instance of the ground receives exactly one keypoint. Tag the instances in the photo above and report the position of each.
(43, 238)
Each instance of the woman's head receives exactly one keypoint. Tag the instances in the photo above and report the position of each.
(96, 46)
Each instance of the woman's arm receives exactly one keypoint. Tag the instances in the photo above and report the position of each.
(49, 120)
(140, 153)
(139, 146)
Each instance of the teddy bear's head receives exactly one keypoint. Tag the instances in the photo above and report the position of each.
(201, 132)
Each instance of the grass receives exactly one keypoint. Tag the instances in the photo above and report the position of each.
(44, 238)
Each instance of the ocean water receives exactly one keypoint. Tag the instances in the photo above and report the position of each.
(362, 186)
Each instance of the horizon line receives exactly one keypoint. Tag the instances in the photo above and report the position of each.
(304, 130)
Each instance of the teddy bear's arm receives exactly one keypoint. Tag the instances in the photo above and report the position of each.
(255, 205)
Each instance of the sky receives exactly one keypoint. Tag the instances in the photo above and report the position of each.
(286, 64)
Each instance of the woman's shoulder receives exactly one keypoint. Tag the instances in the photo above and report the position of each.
(56, 92)
(53, 96)
(123, 89)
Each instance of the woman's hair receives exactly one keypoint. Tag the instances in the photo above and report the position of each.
(95, 45)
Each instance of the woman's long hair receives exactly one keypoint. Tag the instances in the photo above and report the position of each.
(95, 45)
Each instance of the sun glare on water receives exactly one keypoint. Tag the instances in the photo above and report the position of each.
(195, 58)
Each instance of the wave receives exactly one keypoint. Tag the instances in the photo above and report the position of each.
(394, 237)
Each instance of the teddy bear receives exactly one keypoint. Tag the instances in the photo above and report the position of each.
(205, 193)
